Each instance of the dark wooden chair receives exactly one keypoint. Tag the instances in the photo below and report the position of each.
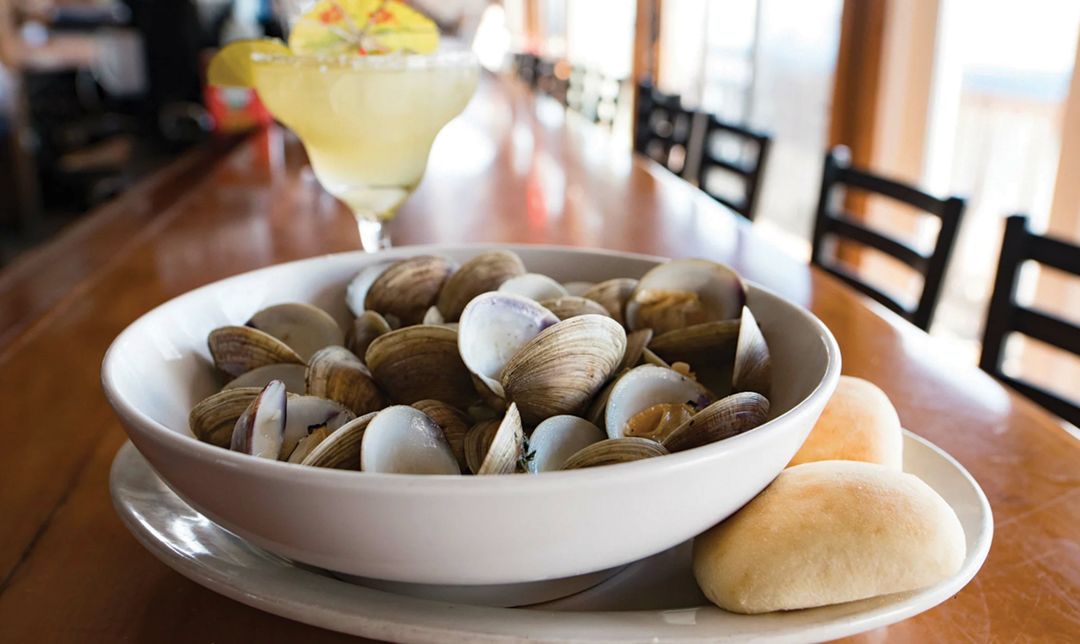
(549, 81)
(526, 67)
(829, 222)
(749, 173)
(662, 126)
(1007, 316)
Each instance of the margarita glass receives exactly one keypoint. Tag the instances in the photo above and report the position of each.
(367, 122)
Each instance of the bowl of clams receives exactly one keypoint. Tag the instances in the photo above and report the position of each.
(472, 415)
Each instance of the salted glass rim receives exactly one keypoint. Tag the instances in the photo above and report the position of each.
(393, 61)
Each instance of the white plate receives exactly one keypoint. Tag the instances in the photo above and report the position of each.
(652, 600)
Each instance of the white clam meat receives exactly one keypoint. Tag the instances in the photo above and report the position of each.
(260, 430)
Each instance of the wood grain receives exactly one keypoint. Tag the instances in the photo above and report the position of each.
(512, 169)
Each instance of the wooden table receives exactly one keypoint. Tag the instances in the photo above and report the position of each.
(513, 169)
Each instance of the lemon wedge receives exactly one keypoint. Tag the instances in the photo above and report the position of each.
(231, 65)
(363, 27)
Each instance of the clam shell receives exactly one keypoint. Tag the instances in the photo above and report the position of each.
(307, 444)
(260, 430)
(557, 439)
(340, 449)
(645, 386)
(356, 291)
(494, 446)
(418, 362)
(239, 349)
(212, 419)
(485, 272)
(433, 316)
(753, 364)
(612, 295)
(533, 286)
(636, 341)
(569, 306)
(365, 328)
(304, 327)
(336, 374)
(293, 375)
(577, 288)
(403, 440)
(409, 287)
(613, 451)
(563, 367)
(724, 418)
(305, 414)
(453, 422)
(684, 292)
(708, 347)
(493, 328)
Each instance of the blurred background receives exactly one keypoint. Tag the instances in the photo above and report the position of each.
(974, 98)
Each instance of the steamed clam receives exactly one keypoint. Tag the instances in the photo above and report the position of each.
(488, 369)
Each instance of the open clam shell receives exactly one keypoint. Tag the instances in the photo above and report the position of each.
(569, 306)
(645, 386)
(419, 362)
(260, 430)
(494, 446)
(336, 374)
(533, 286)
(613, 451)
(453, 422)
(339, 449)
(493, 328)
(239, 349)
(612, 295)
(557, 439)
(724, 418)
(305, 414)
(365, 328)
(485, 272)
(561, 369)
(293, 375)
(303, 327)
(403, 440)
(409, 287)
(685, 292)
(708, 347)
(753, 364)
(212, 419)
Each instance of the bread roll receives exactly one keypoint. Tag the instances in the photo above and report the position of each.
(859, 423)
(829, 532)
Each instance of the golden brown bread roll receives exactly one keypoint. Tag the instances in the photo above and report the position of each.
(829, 532)
(859, 423)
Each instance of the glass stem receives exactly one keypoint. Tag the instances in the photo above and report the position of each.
(373, 234)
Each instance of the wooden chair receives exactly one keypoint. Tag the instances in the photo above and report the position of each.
(838, 172)
(749, 173)
(1007, 316)
(548, 80)
(526, 67)
(661, 126)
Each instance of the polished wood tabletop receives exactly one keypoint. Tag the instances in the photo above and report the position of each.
(513, 168)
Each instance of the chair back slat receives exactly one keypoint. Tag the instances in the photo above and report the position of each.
(661, 125)
(829, 222)
(1006, 316)
(750, 173)
(864, 288)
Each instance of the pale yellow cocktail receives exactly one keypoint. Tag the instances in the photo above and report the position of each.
(367, 123)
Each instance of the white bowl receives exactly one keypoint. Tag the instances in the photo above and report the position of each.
(449, 529)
